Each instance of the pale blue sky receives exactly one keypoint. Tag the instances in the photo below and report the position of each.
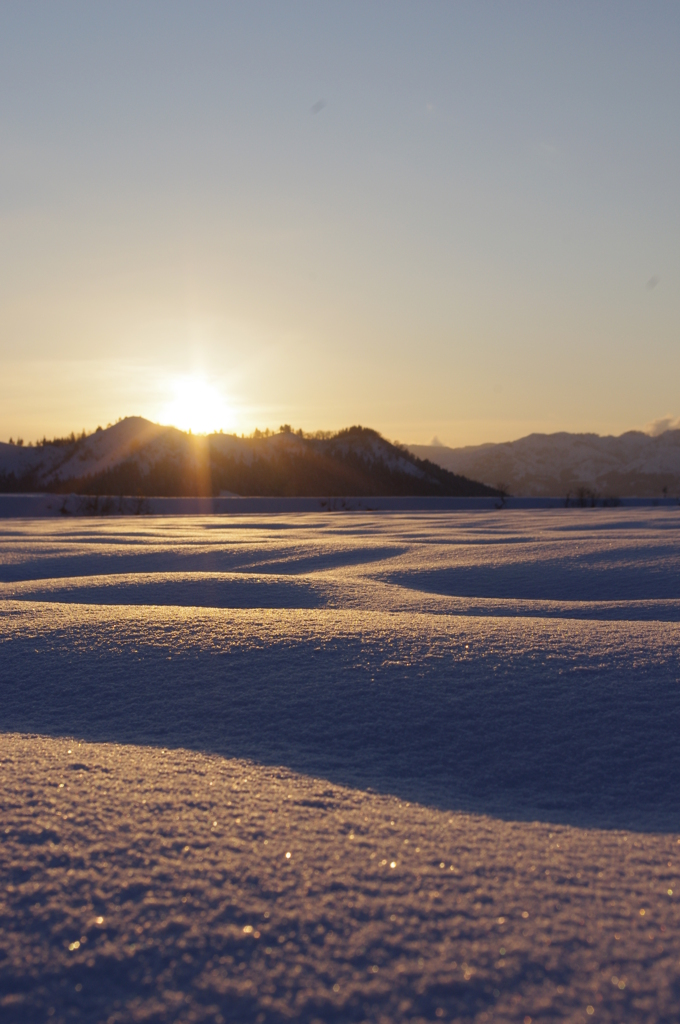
(431, 218)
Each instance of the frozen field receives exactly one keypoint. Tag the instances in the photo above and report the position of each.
(463, 728)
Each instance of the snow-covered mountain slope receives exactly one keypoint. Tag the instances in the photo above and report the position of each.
(84, 456)
(138, 457)
(632, 465)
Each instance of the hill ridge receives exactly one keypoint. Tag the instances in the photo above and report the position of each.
(141, 458)
(632, 464)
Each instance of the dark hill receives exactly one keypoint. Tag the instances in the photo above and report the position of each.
(136, 457)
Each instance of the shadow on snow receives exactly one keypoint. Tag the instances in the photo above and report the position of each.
(517, 729)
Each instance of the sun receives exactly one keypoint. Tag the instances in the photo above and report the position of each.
(197, 405)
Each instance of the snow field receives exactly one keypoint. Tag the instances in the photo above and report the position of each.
(497, 693)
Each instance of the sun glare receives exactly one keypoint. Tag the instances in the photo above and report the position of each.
(197, 405)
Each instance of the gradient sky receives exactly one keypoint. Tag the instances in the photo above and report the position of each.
(458, 219)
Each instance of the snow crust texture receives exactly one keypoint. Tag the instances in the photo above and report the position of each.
(462, 728)
(156, 885)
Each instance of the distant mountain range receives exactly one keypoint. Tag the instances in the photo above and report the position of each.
(137, 457)
(581, 466)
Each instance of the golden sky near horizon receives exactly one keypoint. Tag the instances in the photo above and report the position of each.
(451, 220)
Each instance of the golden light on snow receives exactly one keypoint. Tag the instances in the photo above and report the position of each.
(197, 405)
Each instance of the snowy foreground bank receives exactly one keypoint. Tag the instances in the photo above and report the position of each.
(463, 728)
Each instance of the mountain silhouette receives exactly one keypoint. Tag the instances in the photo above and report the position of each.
(563, 464)
(137, 457)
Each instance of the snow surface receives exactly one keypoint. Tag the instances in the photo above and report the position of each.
(184, 701)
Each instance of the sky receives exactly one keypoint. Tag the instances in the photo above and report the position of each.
(448, 219)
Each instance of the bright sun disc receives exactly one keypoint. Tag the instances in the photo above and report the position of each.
(198, 406)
